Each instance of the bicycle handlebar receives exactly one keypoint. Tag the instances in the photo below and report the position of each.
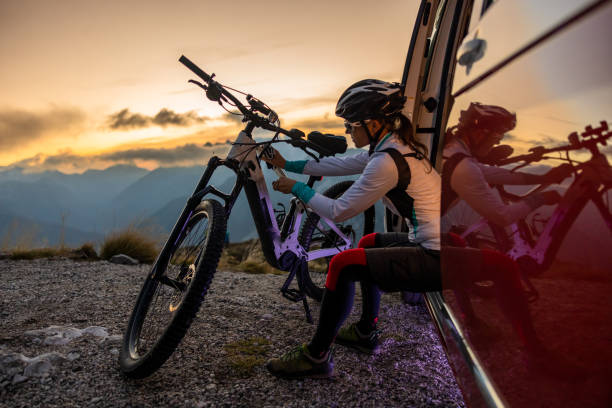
(595, 135)
(217, 92)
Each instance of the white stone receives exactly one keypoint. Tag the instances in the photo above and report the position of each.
(37, 369)
(18, 378)
(123, 259)
(97, 331)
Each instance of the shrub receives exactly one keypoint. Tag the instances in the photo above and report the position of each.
(86, 251)
(130, 242)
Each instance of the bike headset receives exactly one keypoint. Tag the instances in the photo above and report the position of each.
(372, 99)
(491, 118)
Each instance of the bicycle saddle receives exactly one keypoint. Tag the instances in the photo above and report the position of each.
(334, 144)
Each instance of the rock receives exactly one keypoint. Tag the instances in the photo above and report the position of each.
(115, 338)
(97, 331)
(18, 378)
(38, 369)
(53, 358)
(123, 259)
(73, 355)
(56, 335)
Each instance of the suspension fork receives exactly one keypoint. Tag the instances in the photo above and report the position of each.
(200, 191)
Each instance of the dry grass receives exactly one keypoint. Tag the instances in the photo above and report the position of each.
(18, 237)
(85, 252)
(246, 257)
(132, 242)
(244, 355)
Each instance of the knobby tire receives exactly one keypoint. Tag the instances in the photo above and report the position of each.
(180, 315)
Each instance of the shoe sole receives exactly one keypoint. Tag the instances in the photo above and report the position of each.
(287, 376)
(361, 349)
(302, 376)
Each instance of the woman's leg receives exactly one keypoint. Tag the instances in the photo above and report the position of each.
(370, 292)
(394, 269)
(344, 269)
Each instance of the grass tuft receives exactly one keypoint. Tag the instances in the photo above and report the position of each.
(29, 254)
(244, 355)
(131, 242)
(85, 252)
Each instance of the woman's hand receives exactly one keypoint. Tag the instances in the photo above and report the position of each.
(283, 184)
(277, 159)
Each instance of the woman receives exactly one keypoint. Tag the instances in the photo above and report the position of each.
(396, 170)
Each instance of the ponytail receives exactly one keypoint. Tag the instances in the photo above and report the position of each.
(401, 125)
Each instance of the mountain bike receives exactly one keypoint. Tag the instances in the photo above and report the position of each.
(183, 271)
(534, 245)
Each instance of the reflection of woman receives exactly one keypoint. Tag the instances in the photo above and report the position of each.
(395, 170)
(465, 178)
(481, 127)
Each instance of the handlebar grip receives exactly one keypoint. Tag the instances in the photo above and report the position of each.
(295, 134)
(194, 68)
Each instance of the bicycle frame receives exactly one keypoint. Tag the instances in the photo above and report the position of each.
(280, 244)
(590, 184)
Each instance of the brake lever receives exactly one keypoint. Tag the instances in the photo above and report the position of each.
(201, 85)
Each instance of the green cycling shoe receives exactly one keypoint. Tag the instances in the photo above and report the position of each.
(350, 336)
(298, 363)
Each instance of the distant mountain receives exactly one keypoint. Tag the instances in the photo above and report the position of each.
(42, 200)
(158, 188)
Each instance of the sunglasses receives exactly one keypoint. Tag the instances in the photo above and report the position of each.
(350, 125)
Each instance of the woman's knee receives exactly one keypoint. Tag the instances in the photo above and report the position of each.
(368, 241)
(340, 262)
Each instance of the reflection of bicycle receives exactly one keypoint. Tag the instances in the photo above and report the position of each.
(534, 245)
(180, 277)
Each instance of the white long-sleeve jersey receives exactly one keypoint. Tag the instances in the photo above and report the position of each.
(379, 174)
(471, 179)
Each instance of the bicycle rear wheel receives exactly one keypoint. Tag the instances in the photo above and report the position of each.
(168, 303)
(314, 236)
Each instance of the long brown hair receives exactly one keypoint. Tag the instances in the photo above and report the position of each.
(406, 135)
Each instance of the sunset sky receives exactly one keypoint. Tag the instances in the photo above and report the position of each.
(88, 84)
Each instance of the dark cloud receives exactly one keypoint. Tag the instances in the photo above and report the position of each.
(124, 119)
(66, 159)
(19, 127)
(165, 156)
(185, 155)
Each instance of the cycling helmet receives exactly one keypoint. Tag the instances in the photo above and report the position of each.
(487, 117)
(370, 99)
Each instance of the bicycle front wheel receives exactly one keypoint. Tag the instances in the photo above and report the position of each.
(317, 236)
(173, 292)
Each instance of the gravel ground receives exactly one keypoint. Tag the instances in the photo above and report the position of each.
(243, 322)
